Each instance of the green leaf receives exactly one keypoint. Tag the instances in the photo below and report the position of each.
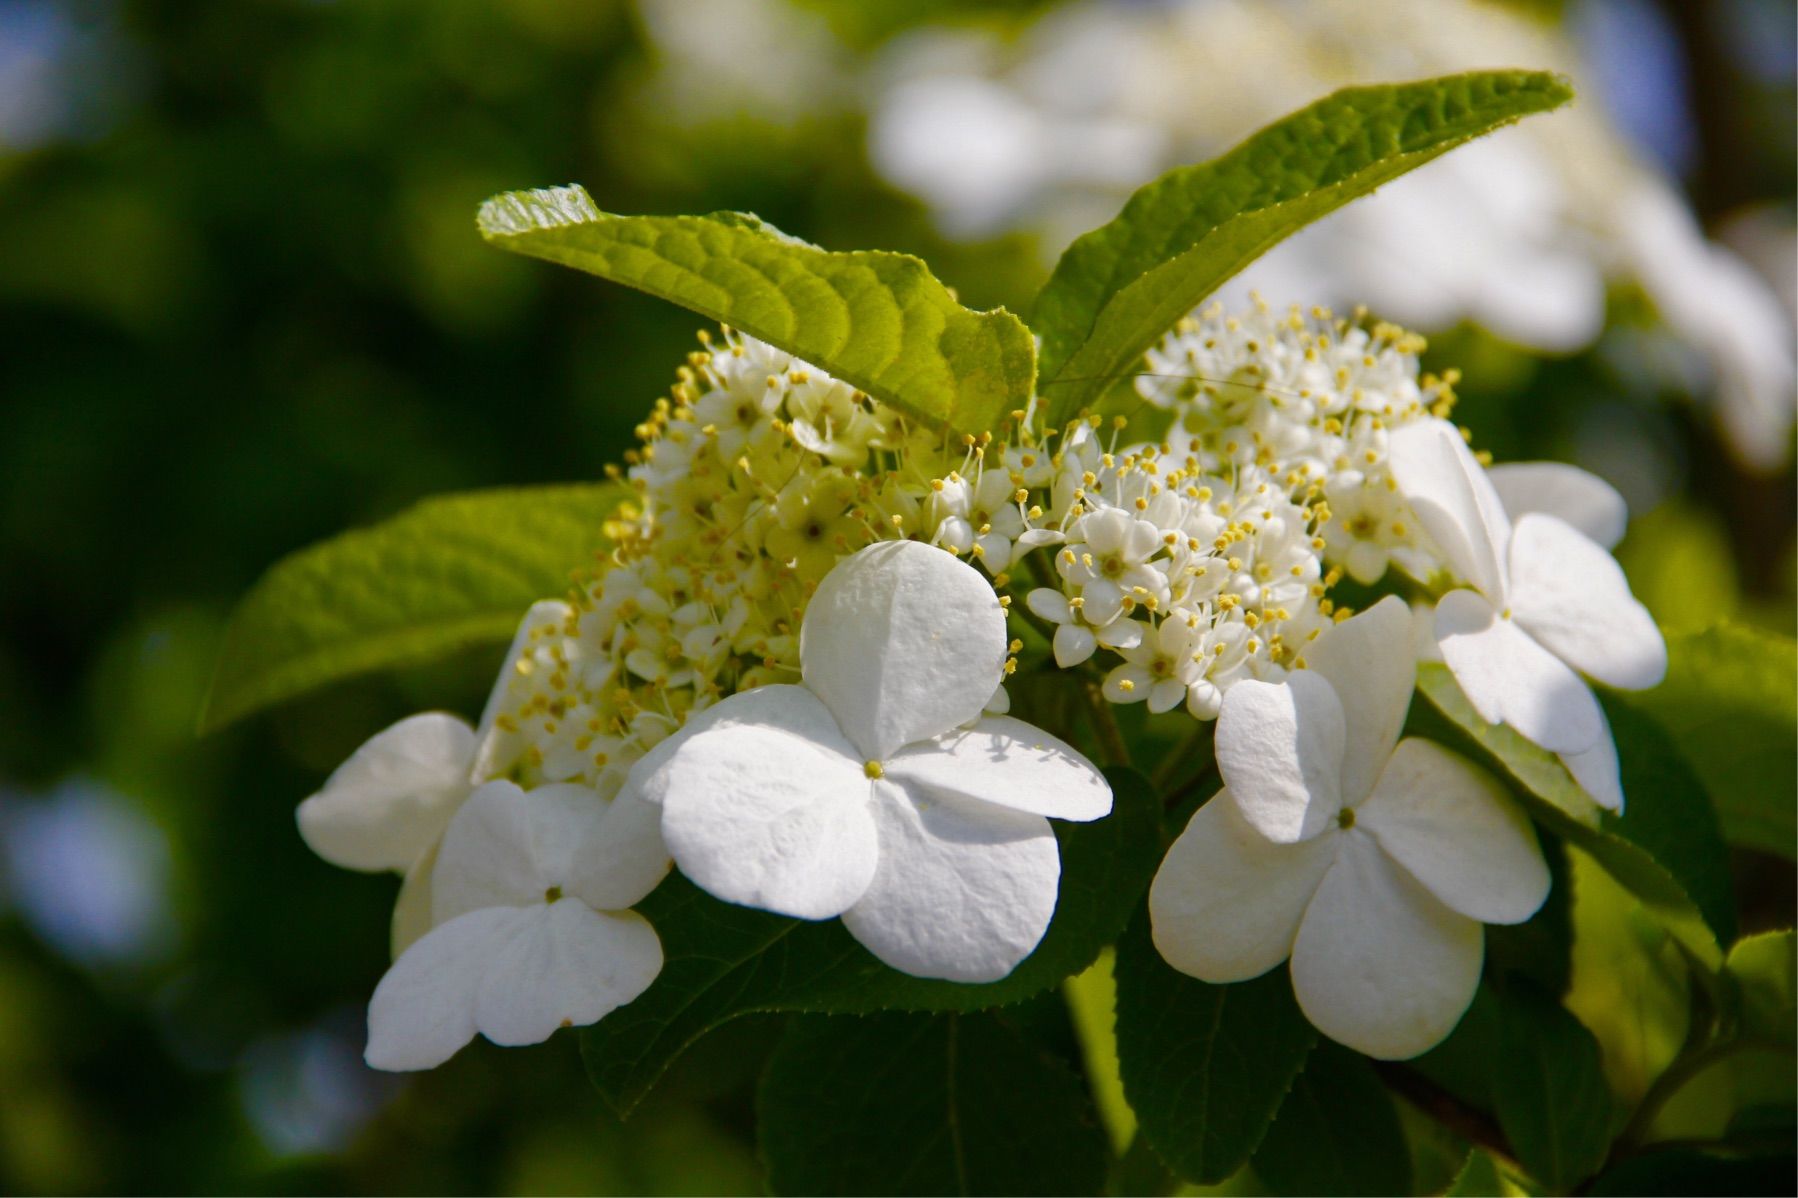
(1730, 706)
(450, 572)
(1764, 974)
(1336, 1133)
(924, 1104)
(879, 321)
(723, 961)
(1481, 1177)
(1548, 1089)
(1666, 849)
(1205, 1067)
(1120, 288)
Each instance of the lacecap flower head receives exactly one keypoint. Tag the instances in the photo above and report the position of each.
(874, 789)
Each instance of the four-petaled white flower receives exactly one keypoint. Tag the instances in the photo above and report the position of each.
(529, 898)
(1541, 599)
(1371, 862)
(874, 791)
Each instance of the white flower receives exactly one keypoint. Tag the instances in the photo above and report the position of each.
(874, 791)
(1161, 666)
(1074, 641)
(1107, 561)
(529, 895)
(1371, 862)
(1544, 601)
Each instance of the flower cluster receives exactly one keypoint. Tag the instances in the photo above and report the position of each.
(804, 575)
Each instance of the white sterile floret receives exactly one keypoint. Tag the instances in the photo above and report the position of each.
(1542, 602)
(874, 790)
(1371, 862)
(529, 895)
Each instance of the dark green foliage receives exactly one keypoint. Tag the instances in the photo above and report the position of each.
(925, 1104)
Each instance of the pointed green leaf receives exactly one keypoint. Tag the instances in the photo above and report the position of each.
(1337, 1132)
(924, 1104)
(1548, 1089)
(723, 961)
(1730, 706)
(1763, 973)
(1205, 1067)
(450, 572)
(1119, 288)
(879, 321)
(1666, 848)
(1481, 1177)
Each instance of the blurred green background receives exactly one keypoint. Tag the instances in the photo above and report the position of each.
(245, 308)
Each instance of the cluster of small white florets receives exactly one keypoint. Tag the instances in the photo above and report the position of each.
(1194, 561)
(1311, 399)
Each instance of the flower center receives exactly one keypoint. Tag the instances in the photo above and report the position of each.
(873, 769)
(553, 894)
(1345, 818)
(1112, 566)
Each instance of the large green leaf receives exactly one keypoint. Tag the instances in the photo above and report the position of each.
(1122, 286)
(450, 572)
(924, 1104)
(1667, 847)
(878, 320)
(1336, 1133)
(1205, 1067)
(1548, 1089)
(724, 961)
(1730, 705)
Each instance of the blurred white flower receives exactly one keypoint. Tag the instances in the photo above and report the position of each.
(1522, 232)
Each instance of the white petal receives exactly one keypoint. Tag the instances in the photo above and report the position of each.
(1584, 500)
(1454, 500)
(513, 973)
(423, 1009)
(1227, 901)
(622, 858)
(1280, 750)
(1367, 659)
(902, 641)
(394, 796)
(1452, 825)
(1597, 770)
(771, 815)
(1166, 695)
(412, 909)
(497, 750)
(1511, 679)
(792, 707)
(1121, 634)
(964, 891)
(1050, 604)
(1379, 964)
(570, 967)
(507, 848)
(1008, 762)
(1074, 643)
(1572, 597)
